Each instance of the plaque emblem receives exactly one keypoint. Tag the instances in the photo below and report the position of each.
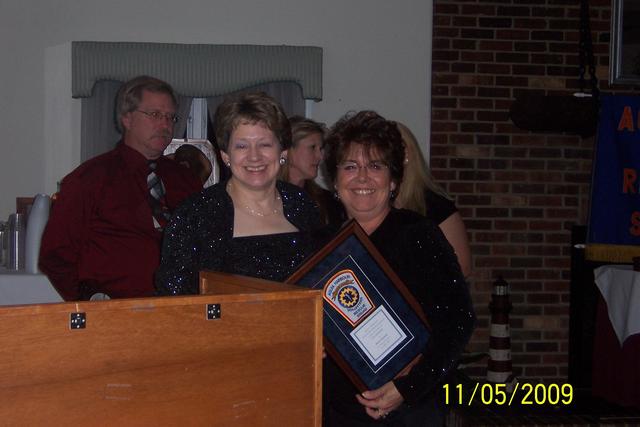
(347, 296)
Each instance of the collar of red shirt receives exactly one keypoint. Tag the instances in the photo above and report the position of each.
(136, 161)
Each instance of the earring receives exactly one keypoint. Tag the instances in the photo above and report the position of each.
(336, 195)
(228, 164)
(283, 160)
(392, 194)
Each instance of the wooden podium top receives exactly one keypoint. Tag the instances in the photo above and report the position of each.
(216, 283)
(166, 361)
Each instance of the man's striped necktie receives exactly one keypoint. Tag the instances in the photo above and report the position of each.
(157, 200)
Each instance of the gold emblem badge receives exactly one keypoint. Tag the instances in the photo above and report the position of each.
(347, 296)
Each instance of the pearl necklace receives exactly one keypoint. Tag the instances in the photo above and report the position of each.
(257, 213)
(254, 212)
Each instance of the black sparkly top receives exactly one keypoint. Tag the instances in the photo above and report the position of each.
(418, 252)
(200, 237)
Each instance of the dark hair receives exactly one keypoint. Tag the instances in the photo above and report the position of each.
(193, 157)
(371, 130)
(130, 95)
(254, 107)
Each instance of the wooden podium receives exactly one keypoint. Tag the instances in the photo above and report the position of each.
(247, 353)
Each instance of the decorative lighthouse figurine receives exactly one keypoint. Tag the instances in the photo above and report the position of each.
(499, 367)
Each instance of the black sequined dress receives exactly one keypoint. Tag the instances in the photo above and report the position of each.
(418, 252)
(200, 237)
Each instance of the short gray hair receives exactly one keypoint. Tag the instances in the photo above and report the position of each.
(130, 95)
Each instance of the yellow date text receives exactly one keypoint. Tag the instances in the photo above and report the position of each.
(497, 394)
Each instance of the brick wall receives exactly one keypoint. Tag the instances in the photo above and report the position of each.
(519, 193)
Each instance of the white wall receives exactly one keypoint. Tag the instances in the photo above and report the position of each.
(377, 55)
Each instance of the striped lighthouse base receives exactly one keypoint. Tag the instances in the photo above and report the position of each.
(499, 367)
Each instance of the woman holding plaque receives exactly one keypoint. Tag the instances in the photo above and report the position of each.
(250, 224)
(365, 156)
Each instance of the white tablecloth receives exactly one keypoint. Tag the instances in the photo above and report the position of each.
(17, 287)
(620, 288)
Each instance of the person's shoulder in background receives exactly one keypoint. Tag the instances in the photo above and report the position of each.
(439, 208)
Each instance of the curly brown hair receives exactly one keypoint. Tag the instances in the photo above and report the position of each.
(374, 133)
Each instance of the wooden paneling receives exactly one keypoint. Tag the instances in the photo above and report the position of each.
(159, 361)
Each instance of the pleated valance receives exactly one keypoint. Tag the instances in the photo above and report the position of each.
(197, 70)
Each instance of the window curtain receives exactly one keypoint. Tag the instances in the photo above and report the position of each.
(184, 106)
(290, 74)
(288, 94)
(99, 132)
(197, 70)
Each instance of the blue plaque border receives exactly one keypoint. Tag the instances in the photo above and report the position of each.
(351, 250)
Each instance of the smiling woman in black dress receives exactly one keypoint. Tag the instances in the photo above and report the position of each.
(365, 156)
(250, 224)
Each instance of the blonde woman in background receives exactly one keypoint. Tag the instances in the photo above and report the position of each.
(419, 193)
(301, 169)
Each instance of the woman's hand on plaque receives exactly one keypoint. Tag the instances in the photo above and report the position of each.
(379, 402)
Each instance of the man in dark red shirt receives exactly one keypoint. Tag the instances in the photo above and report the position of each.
(102, 236)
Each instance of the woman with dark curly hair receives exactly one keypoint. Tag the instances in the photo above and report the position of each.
(365, 157)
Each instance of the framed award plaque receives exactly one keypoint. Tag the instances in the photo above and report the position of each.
(373, 327)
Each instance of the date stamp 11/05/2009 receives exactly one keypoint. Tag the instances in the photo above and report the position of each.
(497, 394)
